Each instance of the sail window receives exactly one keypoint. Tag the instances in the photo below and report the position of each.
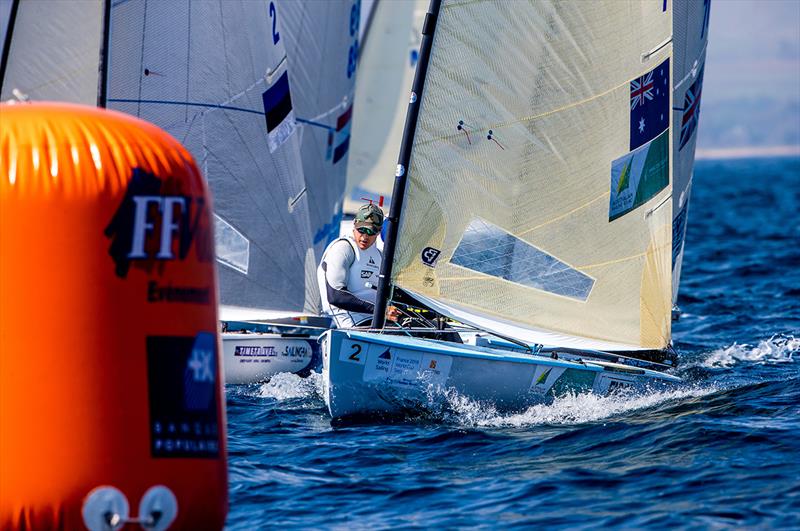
(490, 250)
(233, 249)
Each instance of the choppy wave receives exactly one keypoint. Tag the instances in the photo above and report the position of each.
(777, 349)
(288, 386)
(566, 410)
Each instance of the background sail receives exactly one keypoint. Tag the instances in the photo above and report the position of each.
(550, 207)
(215, 75)
(322, 49)
(690, 38)
(54, 51)
(385, 72)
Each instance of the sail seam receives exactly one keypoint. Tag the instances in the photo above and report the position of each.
(566, 214)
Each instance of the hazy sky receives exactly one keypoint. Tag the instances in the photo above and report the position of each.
(753, 50)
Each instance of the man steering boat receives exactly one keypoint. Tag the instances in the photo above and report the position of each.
(349, 269)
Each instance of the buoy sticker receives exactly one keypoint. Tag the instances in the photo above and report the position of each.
(182, 383)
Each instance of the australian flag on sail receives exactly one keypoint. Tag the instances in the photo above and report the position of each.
(650, 105)
(278, 111)
(342, 139)
(691, 109)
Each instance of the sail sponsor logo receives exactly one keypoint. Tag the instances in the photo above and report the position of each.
(639, 176)
(429, 256)
(151, 226)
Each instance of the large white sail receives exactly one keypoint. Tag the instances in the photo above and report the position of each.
(54, 50)
(215, 75)
(385, 71)
(539, 188)
(322, 48)
(690, 38)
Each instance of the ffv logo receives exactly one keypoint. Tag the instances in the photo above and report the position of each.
(148, 222)
(371, 261)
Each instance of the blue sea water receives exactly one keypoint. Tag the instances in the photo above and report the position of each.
(721, 452)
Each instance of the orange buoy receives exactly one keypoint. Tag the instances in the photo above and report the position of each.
(111, 399)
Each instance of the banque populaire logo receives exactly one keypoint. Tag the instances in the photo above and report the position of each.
(155, 223)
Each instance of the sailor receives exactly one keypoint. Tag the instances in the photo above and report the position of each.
(348, 273)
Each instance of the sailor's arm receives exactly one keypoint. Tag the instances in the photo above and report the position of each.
(336, 267)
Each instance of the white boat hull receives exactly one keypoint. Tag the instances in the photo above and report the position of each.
(256, 357)
(384, 375)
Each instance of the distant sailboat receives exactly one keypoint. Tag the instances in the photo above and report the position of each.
(386, 65)
(537, 206)
(216, 75)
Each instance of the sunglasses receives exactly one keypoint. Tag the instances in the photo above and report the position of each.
(367, 231)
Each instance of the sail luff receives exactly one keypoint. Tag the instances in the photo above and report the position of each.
(9, 31)
(415, 102)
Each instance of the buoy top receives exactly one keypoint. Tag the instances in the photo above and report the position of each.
(75, 150)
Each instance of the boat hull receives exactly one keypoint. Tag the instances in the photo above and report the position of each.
(367, 374)
(256, 357)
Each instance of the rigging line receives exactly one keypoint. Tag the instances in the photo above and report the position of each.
(566, 214)
(189, 103)
(315, 124)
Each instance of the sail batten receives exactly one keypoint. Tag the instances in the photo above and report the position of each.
(541, 162)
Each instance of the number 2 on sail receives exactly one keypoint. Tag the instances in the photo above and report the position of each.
(273, 14)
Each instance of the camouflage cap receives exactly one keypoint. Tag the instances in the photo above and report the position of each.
(370, 216)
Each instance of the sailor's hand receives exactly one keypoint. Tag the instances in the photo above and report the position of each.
(392, 313)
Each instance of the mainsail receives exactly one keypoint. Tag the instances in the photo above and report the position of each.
(385, 71)
(539, 193)
(690, 39)
(52, 50)
(322, 48)
(214, 74)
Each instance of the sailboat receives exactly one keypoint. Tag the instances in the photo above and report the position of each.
(219, 78)
(533, 202)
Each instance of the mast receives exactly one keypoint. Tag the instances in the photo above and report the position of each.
(102, 78)
(401, 175)
(7, 43)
